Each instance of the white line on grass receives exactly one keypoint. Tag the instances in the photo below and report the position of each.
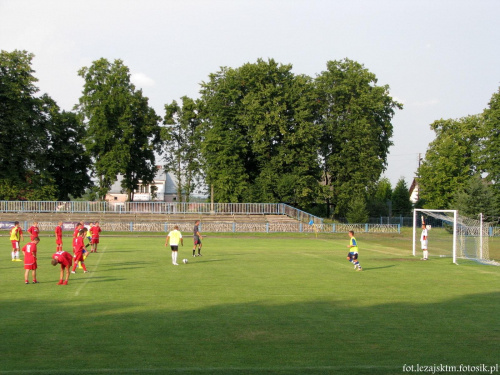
(388, 253)
(91, 274)
(343, 264)
(201, 370)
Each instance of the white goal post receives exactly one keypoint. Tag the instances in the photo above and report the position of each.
(470, 236)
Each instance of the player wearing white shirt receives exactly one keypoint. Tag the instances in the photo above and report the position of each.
(423, 242)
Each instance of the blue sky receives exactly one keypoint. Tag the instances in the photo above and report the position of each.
(440, 58)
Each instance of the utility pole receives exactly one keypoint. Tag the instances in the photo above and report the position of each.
(418, 175)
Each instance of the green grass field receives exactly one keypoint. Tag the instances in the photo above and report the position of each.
(264, 304)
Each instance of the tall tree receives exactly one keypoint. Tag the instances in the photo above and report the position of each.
(260, 137)
(122, 131)
(357, 211)
(182, 145)
(490, 159)
(450, 160)
(142, 136)
(225, 147)
(36, 140)
(476, 197)
(401, 204)
(356, 117)
(19, 111)
(380, 200)
(64, 155)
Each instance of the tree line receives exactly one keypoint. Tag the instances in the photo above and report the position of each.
(257, 133)
(461, 168)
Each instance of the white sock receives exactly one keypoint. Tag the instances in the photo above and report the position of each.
(426, 254)
(17, 254)
(13, 255)
(175, 256)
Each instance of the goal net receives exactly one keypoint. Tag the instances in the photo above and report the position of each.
(454, 235)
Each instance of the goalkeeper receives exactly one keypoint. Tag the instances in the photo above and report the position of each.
(423, 242)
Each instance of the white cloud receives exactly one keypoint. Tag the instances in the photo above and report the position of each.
(142, 80)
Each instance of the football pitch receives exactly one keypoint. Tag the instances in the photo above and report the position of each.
(252, 304)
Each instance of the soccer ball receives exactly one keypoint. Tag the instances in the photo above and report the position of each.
(184, 261)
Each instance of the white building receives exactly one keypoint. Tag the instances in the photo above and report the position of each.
(164, 184)
(414, 191)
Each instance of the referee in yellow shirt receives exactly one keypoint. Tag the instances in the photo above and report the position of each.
(175, 238)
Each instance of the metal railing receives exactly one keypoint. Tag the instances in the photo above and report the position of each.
(72, 207)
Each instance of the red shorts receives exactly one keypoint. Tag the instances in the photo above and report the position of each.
(95, 241)
(63, 266)
(59, 241)
(15, 244)
(32, 266)
(78, 257)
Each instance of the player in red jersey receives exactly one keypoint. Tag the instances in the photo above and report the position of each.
(29, 251)
(79, 248)
(34, 231)
(95, 230)
(64, 259)
(58, 232)
(77, 230)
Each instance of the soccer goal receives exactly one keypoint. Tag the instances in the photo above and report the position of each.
(454, 235)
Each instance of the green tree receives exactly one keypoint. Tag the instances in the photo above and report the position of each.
(40, 154)
(356, 117)
(401, 204)
(19, 112)
(357, 211)
(182, 145)
(64, 156)
(477, 196)
(490, 157)
(142, 136)
(450, 160)
(260, 137)
(122, 130)
(380, 200)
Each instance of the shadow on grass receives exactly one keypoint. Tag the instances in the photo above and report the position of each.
(209, 260)
(377, 268)
(159, 336)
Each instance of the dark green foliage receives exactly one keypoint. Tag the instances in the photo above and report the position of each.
(65, 157)
(380, 200)
(355, 115)
(41, 157)
(490, 161)
(19, 112)
(182, 142)
(451, 160)
(357, 211)
(260, 136)
(122, 130)
(401, 204)
(477, 196)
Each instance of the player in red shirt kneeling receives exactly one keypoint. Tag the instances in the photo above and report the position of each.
(65, 260)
